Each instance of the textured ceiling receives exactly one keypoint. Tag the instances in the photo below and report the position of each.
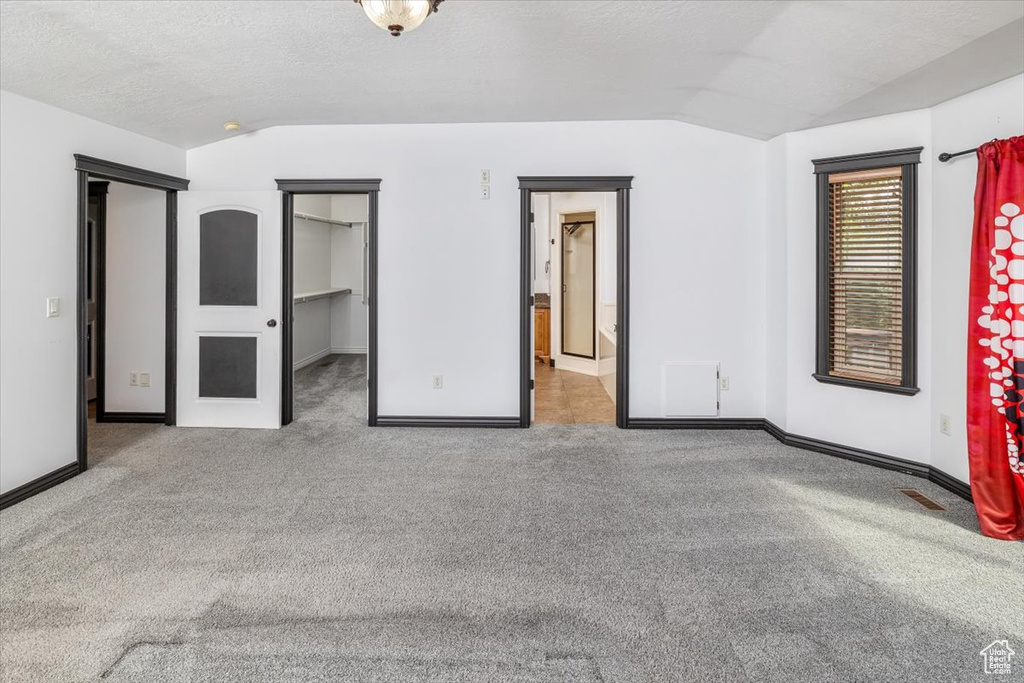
(176, 71)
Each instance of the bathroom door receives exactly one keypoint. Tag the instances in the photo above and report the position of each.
(578, 288)
(229, 305)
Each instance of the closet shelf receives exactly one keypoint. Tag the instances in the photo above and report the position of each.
(321, 219)
(323, 293)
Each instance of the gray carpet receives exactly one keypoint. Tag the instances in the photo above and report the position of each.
(327, 551)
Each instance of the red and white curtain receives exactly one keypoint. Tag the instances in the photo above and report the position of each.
(995, 352)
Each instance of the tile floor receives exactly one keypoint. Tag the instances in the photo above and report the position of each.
(570, 398)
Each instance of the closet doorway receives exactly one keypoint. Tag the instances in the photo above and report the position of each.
(329, 278)
(574, 310)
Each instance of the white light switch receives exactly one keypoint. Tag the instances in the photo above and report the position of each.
(143, 379)
(133, 379)
(53, 307)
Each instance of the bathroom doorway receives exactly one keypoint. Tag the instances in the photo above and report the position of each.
(574, 293)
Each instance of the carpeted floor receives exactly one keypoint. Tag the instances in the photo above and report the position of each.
(328, 551)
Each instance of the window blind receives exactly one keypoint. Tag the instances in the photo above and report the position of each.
(865, 281)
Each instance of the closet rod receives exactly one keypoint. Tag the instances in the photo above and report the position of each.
(321, 219)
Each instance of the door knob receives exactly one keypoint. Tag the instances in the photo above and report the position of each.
(271, 323)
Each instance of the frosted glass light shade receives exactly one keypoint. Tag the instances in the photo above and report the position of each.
(397, 16)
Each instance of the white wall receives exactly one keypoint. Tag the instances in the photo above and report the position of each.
(136, 295)
(311, 327)
(349, 326)
(776, 291)
(449, 261)
(38, 223)
(311, 331)
(312, 261)
(902, 426)
(350, 207)
(887, 423)
(541, 243)
(993, 112)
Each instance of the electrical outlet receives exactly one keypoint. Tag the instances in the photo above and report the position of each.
(944, 424)
(439, 381)
(485, 177)
(725, 383)
(485, 192)
(143, 379)
(133, 379)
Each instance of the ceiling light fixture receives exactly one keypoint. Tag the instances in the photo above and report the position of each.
(398, 16)
(232, 126)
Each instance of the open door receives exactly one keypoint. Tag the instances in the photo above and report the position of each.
(229, 305)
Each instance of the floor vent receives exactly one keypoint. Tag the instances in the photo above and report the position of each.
(922, 499)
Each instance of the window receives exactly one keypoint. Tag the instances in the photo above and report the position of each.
(867, 239)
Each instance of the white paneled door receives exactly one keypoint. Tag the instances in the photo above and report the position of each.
(229, 308)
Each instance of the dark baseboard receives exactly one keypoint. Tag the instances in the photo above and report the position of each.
(807, 443)
(836, 450)
(950, 483)
(38, 485)
(695, 423)
(437, 421)
(888, 462)
(133, 417)
(872, 458)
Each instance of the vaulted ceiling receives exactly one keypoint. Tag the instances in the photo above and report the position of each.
(176, 71)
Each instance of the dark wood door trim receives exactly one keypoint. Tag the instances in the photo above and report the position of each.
(621, 186)
(98, 192)
(87, 167)
(111, 170)
(290, 188)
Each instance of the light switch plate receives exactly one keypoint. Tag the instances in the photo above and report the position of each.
(133, 379)
(143, 379)
(485, 177)
(53, 307)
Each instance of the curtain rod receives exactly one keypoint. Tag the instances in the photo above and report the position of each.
(946, 156)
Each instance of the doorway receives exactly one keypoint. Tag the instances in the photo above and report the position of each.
(94, 177)
(329, 340)
(125, 299)
(96, 224)
(574, 303)
(580, 324)
(329, 304)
